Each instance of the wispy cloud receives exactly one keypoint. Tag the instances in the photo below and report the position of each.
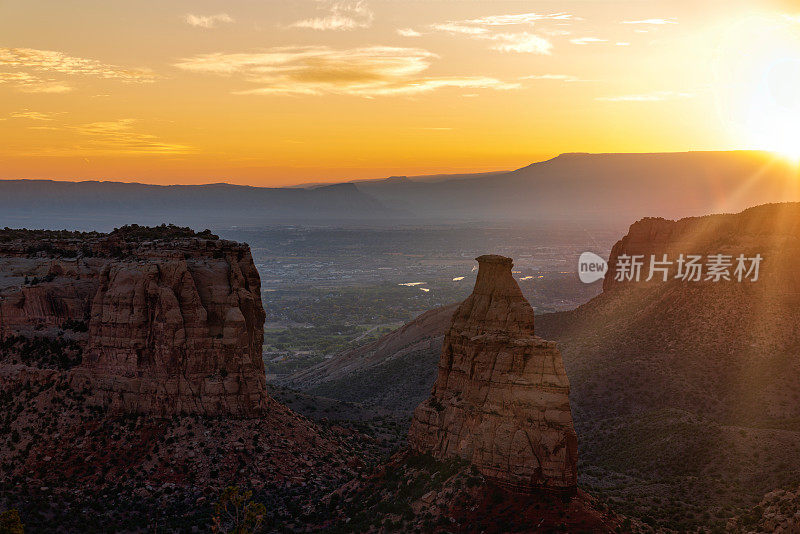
(486, 28)
(28, 83)
(556, 77)
(52, 61)
(657, 96)
(521, 42)
(656, 22)
(587, 40)
(31, 115)
(119, 137)
(408, 32)
(520, 18)
(370, 71)
(44, 86)
(459, 27)
(20, 77)
(342, 15)
(207, 21)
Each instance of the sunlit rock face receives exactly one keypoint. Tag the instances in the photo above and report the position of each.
(172, 325)
(501, 399)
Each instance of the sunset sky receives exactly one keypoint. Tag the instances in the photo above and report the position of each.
(284, 92)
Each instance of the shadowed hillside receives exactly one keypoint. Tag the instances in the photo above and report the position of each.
(685, 394)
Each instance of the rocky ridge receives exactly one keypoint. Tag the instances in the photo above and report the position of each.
(501, 398)
(165, 323)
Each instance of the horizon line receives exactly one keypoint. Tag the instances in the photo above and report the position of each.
(317, 184)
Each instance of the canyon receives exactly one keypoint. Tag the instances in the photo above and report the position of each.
(681, 392)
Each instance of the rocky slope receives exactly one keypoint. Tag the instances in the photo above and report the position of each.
(778, 513)
(493, 448)
(417, 493)
(130, 368)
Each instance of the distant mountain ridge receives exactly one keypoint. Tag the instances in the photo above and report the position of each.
(590, 188)
(103, 205)
(609, 188)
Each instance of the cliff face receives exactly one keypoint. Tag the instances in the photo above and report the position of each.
(770, 230)
(501, 399)
(683, 380)
(172, 325)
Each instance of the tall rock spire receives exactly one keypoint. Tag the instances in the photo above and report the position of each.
(501, 399)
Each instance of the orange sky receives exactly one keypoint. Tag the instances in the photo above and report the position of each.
(286, 92)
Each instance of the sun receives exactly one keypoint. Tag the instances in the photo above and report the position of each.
(759, 84)
(774, 111)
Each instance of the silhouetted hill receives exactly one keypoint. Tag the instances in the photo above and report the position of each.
(612, 188)
(588, 188)
(104, 205)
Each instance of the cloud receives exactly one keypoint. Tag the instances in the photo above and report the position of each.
(587, 40)
(622, 43)
(31, 115)
(21, 77)
(207, 21)
(657, 96)
(47, 87)
(486, 28)
(557, 77)
(408, 32)
(455, 27)
(118, 137)
(656, 22)
(521, 42)
(317, 70)
(52, 61)
(28, 83)
(521, 18)
(342, 15)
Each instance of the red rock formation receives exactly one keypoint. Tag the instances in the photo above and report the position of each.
(501, 399)
(174, 325)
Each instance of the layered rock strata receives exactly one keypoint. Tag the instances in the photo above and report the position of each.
(167, 323)
(501, 398)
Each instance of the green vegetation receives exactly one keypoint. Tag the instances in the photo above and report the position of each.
(134, 232)
(44, 352)
(75, 326)
(296, 347)
(392, 494)
(12, 234)
(328, 321)
(376, 304)
(10, 523)
(236, 513)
